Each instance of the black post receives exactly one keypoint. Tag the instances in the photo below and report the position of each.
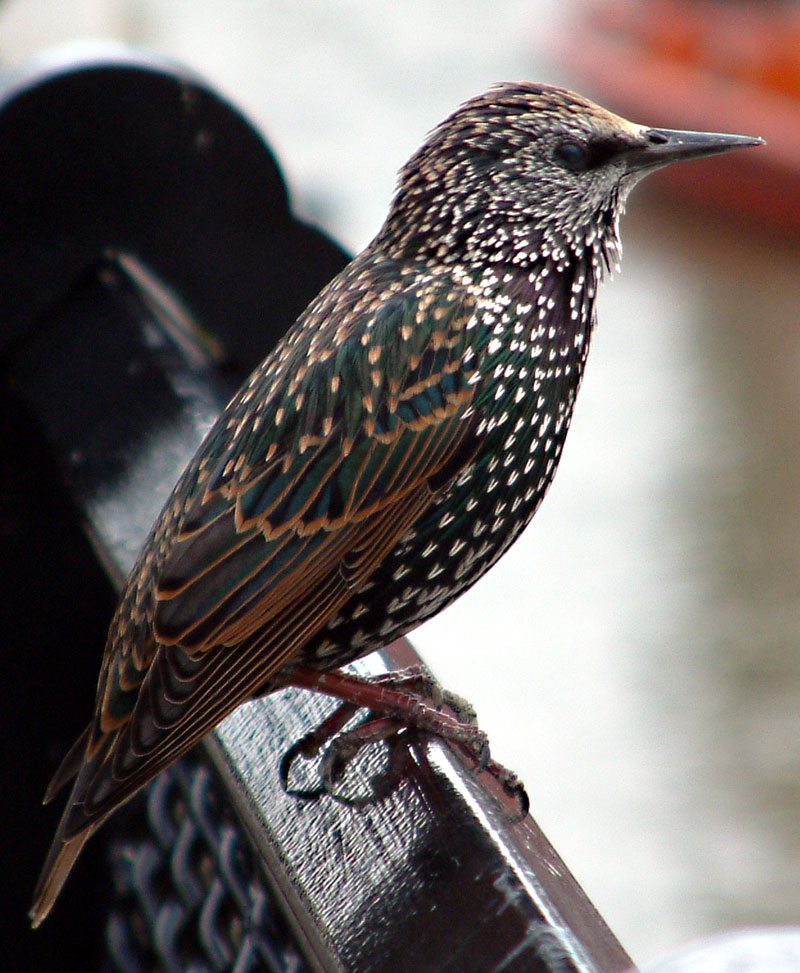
(149, 261)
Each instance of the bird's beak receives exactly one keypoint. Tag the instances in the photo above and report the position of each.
(665, 145)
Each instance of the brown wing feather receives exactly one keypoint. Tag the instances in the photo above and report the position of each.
(234, 583)
(69, 766)
(153, 738)
(185, 694)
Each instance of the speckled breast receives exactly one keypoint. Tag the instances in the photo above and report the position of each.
(531, 334)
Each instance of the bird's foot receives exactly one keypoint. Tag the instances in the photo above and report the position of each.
(398, 703)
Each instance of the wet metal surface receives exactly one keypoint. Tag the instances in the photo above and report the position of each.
(435, 876)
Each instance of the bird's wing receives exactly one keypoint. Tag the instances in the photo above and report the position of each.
(299, 505)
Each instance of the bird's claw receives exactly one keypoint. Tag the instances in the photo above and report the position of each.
(397, 705)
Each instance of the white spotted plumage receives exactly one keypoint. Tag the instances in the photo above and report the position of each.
(386, 453)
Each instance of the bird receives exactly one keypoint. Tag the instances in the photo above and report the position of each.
(384, 455)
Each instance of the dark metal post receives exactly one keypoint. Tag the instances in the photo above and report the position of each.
(150, 259)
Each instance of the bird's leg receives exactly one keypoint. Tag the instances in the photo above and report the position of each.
(401, 699)
(416, 679)
(408, 708)
(419, 681)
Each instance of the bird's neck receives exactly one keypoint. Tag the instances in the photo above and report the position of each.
(534, 283)
(472, 232)
(534, 326)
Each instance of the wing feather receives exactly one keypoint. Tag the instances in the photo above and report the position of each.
(165, 724)
(288, 514)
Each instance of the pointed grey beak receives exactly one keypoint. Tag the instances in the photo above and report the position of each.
(666, 145)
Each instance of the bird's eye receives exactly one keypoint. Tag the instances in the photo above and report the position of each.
(572, 155)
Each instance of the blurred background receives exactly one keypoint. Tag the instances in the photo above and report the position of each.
(636, 656)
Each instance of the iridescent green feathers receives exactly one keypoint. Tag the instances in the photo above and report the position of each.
(314, 471)
(339, 435)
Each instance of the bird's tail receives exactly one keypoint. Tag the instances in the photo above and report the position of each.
(57, 866)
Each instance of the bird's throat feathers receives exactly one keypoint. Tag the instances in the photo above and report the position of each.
(476, 229)
(533, 329)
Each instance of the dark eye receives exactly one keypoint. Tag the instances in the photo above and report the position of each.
(572, 155)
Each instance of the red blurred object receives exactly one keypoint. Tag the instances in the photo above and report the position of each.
(705, 64)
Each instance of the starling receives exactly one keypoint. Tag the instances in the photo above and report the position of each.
(384, 455)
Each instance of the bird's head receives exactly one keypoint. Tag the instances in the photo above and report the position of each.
(530, 166)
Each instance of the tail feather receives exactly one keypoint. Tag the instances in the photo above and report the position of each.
(57, 866)
(69, 766)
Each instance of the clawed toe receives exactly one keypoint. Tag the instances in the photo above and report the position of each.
(398, 704)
